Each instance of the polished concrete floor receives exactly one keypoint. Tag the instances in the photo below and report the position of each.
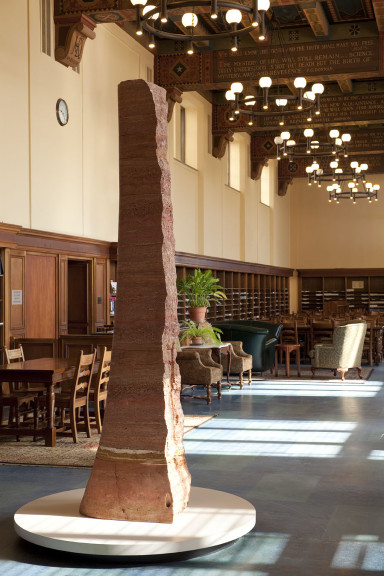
(308, 455)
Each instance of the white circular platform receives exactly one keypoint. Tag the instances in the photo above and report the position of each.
(211, 519)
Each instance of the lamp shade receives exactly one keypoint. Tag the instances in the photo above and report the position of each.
(236, 87)
(285, 135)
(291, 143)
(265, 82)
(138, 2)
(308, 132)
(309, 95)
(233, 16)
(309, 169)
(249, 100)
(315, 166)
(354, 164)
(334, 133)
(317, 88)
(334, 164)
(278, 140)
(364, 167)
(189, 20)
(346, 137)
(281, 101)
(148, 9)
(263, 5)
(299, 82)
(230, 96)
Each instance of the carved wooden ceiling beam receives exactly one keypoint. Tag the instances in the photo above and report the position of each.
(314, 13)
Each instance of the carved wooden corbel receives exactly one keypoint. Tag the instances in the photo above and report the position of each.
(173, 95)
(257, 166)
(70, 51)
(220, 142)
(283, 184)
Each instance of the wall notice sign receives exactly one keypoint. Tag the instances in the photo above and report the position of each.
(358, 284)
(17, 297)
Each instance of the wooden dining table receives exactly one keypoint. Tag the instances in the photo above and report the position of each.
(48, 372)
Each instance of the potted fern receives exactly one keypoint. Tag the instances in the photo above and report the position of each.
(200, 289)
(200, 334)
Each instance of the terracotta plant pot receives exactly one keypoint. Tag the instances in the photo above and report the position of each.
(197, 341)
(197, 314)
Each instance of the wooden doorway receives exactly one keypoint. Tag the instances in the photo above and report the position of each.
(78, 296)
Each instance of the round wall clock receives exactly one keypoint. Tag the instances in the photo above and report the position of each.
(62, 113)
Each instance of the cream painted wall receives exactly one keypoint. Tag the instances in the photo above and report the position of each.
(14, 104)
(61, 178)
(230, 223)
(333, 235)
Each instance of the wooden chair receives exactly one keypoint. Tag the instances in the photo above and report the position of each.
(17, 355)
(74, 397)
(99, 387)
(289, 342)
(18, 400)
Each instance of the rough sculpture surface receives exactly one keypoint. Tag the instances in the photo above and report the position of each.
(140, 472)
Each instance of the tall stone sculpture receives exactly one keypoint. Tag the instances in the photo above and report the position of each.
(140, 472)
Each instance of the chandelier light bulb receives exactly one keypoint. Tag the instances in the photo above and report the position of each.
(364, 167)
(339, 171)
(334, 164)
(334, 133)
(299, 82)
(351, 185)
(233, 16)
(308, 132)
(369, 185)
(281, 101)
(346, 137)
(315, 144)
(291, 143)
(338, 142)
(376, 186)
(309, 169)
(355, 189)
(278, 140)
(317, 88)
(285, 135)
(138, 2)
(315, 166)
(358, 170)
(230, 96)
(354, 165)
(237, 87)
(189, 20)
(265, 82)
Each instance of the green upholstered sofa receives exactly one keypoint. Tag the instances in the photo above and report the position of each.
(259, 339)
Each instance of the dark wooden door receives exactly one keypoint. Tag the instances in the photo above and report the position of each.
(78, 296)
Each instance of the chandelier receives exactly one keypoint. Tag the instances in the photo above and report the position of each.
(346, 184)
(260, 104)
(153, 19)
(336, 145)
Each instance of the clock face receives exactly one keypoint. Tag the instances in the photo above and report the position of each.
(62, 112)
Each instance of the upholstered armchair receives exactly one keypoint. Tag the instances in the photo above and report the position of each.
(344, 352)
(197, 368)
(240, 362)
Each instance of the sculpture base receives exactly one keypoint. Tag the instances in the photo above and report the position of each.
(211, 519)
